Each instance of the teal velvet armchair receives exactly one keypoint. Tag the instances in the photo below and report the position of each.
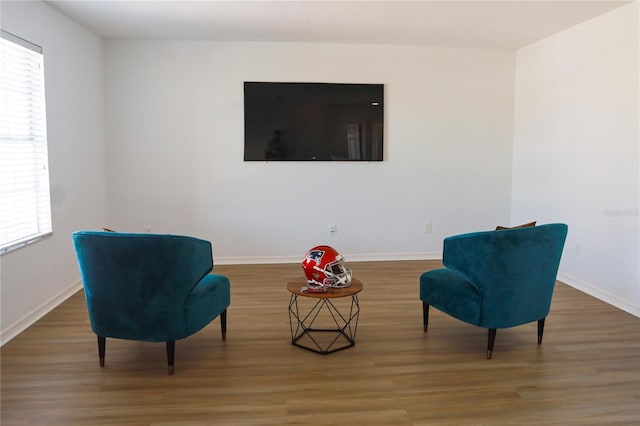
(149, 287)
(496, 279)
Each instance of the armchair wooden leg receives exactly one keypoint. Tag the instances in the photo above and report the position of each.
(540, 330)
(425, 315)
(171, 349)
(101, 348)
(491, 340)
(223, 324)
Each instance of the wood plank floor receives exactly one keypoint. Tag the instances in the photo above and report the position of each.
(587, 370)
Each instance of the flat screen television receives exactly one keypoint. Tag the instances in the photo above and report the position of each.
(313, 121)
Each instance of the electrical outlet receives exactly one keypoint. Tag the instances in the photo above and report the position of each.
(333, 229)
(427, 227)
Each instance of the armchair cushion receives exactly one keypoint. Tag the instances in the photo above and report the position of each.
(208, 299)
(524, 225)
(460, 299)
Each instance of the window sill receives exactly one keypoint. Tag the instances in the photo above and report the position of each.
(24, 243)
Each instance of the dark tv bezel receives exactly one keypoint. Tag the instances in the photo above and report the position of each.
(364, 138)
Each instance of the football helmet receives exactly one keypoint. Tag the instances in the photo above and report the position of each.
(324, 268)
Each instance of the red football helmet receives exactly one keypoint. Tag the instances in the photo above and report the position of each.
(324, 268)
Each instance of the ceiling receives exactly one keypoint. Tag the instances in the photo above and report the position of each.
(480, 24)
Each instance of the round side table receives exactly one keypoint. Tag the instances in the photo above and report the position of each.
(303, 332)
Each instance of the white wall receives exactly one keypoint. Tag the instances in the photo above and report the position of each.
(36, 277)
(175, 149)
(576, 150)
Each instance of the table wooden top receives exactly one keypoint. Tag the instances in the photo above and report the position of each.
(295, 286)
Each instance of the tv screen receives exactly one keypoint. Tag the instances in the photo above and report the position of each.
(313, 121)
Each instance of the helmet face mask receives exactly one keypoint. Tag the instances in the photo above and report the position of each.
(324, 268)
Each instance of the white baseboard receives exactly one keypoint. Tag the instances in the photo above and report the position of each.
(11, 331)
(382, 257)
(365, 257)
(596, 291)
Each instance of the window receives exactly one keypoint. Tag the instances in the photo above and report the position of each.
(25, 208)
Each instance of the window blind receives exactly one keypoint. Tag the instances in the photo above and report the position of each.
(25, 207)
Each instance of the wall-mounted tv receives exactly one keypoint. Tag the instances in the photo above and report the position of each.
(313, 121)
